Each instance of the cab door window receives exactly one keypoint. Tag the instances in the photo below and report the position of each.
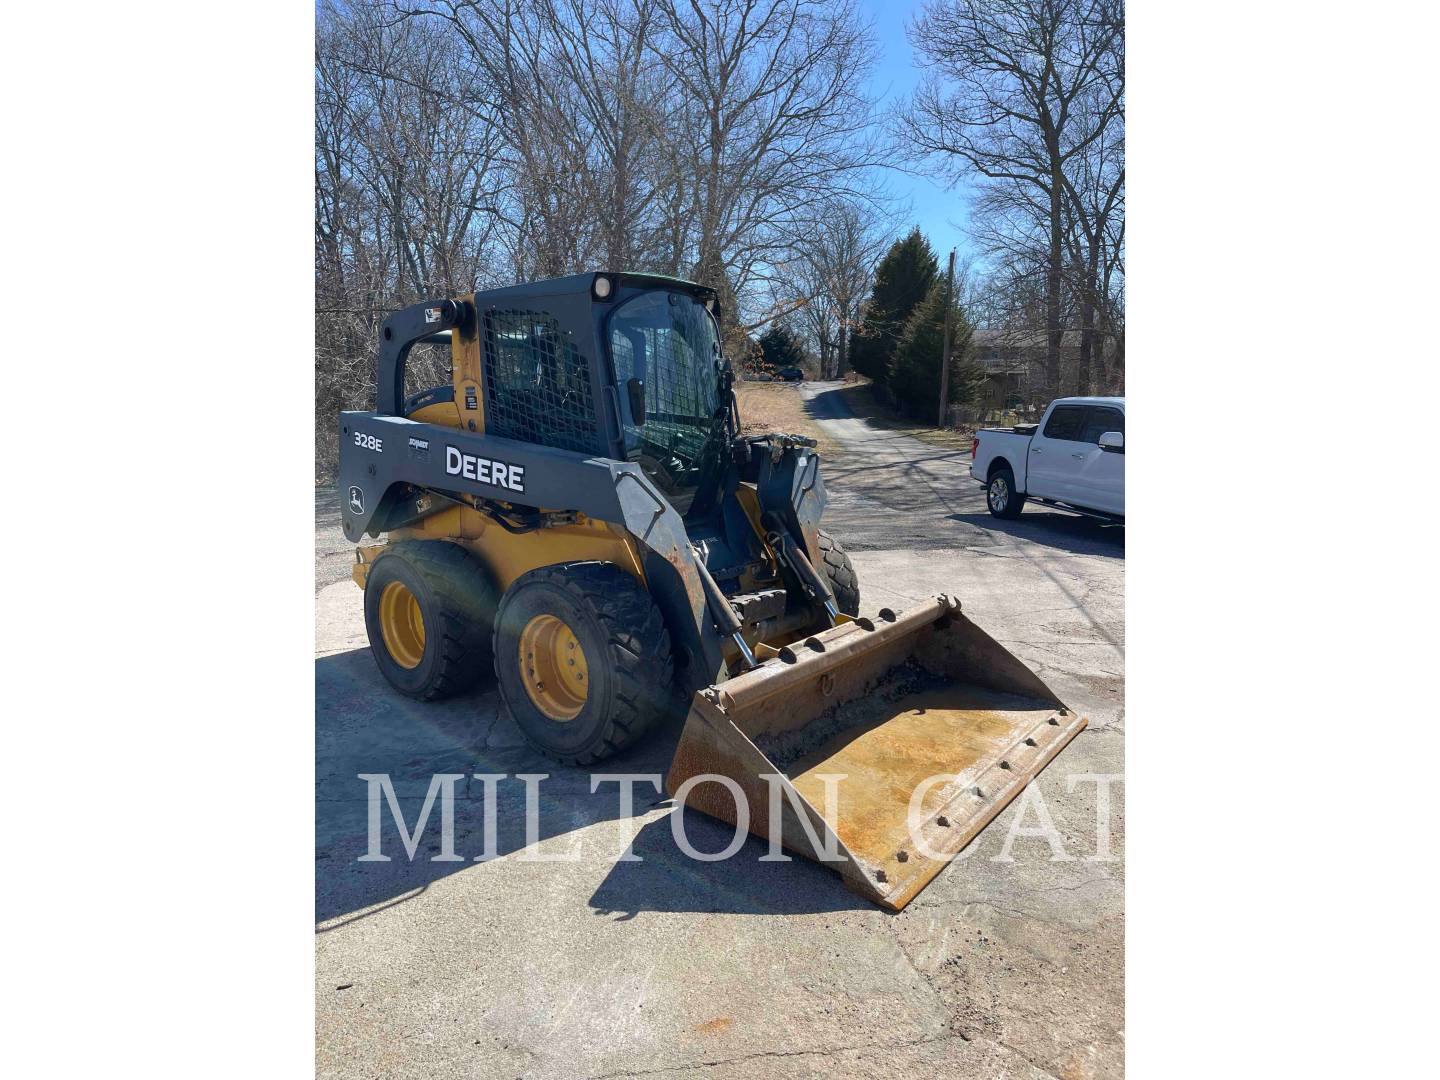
(1065, 423)
(1098, 420)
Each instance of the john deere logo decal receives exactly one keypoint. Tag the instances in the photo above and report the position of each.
(357, 500)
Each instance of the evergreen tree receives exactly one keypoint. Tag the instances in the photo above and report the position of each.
(915, 370)
(902, 280)
(781, 347)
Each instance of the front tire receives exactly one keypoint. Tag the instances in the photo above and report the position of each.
(1001, 497)
(840, 574)
(582, 659)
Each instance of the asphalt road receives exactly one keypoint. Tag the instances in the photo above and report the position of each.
(668, 967)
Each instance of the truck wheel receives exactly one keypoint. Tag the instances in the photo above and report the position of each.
(1000, 494)
(429, 606)
(840, 574)
(582, 659)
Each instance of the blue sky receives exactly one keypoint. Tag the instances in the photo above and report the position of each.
(939, 213)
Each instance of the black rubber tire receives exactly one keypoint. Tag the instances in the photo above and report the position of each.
(627, 652)
(457, 606)
(1013, 502)
(840, 573)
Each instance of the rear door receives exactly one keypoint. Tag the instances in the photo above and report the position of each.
(1056, 454)
(1100, 483)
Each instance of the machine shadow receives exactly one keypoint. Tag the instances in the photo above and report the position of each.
(1054, 528)
(362, 726)
(668, 880)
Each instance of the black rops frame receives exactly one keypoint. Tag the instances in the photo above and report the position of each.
(572, 301)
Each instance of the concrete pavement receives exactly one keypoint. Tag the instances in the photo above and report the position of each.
(675, 968)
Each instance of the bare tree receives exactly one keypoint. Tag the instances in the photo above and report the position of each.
(772, 123)
(1095, 203)
(1018, 91)
(401, 181)
(475, 142)
(828, 273)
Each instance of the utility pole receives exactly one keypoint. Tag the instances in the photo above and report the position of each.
(945, 352)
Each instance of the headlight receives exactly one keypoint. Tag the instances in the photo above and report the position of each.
(602, 287)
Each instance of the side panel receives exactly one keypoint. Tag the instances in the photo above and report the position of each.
(384, 459)
(509, 555)
(1103, 481)
(1014, 449)
(1100, 484)
(1056, 453)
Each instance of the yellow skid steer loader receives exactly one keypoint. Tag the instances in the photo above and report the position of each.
(578, 510)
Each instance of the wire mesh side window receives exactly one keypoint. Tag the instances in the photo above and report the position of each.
(537, 385)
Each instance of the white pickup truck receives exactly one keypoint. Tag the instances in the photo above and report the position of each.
(1073, 459)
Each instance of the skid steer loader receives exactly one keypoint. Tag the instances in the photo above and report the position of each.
(578, 509)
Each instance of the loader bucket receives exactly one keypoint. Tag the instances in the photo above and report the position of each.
(933, 725)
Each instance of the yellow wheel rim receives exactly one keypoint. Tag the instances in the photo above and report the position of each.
(401, 626)
(553, 668)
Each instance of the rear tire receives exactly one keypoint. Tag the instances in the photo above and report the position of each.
(840, 574)
(621, 684)
(1001, 496)
(429, 607)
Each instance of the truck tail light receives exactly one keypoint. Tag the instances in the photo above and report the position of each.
(974, 447)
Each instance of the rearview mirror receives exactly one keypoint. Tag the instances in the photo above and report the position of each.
(635, 393)
(1114, 441)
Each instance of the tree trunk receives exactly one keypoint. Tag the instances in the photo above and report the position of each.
(1052, 280)
(1090, 298)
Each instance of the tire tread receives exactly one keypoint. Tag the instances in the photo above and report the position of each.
(466, 611)
(844, 582)
(638, 647)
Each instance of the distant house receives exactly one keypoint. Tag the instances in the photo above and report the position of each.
(1014, 363)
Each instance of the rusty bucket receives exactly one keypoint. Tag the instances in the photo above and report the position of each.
(878, 747)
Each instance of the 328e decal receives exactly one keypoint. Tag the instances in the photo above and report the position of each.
(369, 442)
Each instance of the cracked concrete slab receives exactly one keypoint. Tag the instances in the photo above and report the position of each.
(1009, 963)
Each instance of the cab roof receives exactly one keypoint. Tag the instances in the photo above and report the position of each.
(583, 283)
